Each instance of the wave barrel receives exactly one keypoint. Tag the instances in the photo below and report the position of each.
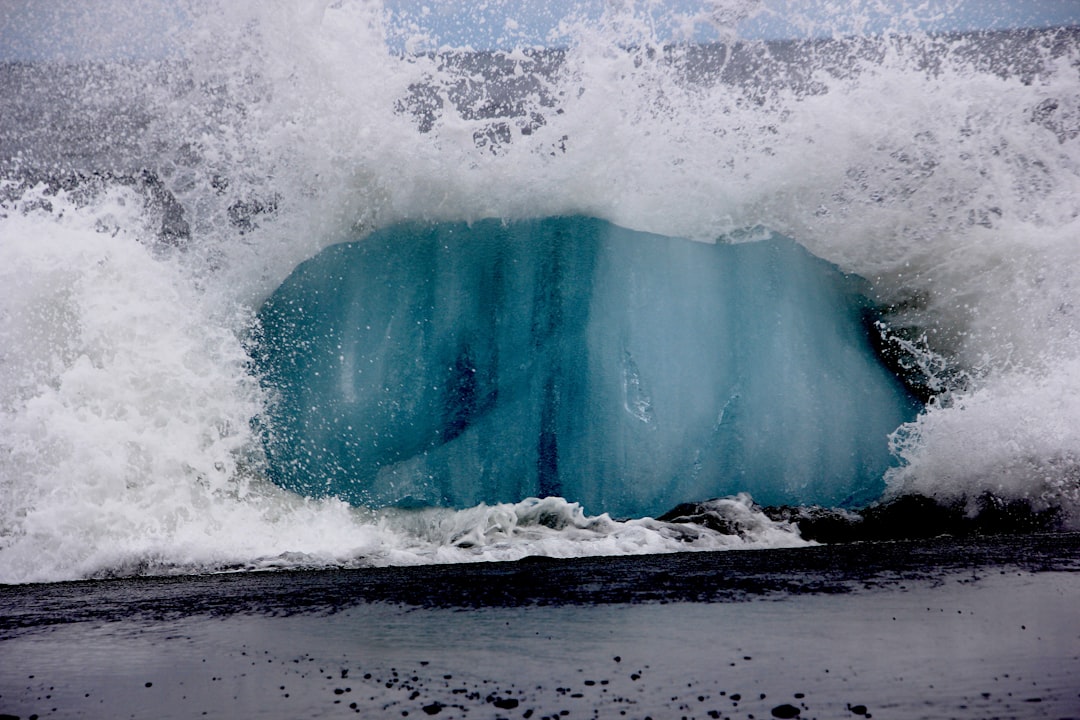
(453, 364)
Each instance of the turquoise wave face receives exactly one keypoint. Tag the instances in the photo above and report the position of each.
(455, 364)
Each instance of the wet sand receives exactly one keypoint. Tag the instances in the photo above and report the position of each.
(966, 629)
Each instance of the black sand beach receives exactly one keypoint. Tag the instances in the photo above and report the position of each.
(942, 628)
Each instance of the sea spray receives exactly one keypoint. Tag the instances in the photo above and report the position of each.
(943, 169)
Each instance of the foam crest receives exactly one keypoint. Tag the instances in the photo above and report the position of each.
(126, 402)
(1015, 437)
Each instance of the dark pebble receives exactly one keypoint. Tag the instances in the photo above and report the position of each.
(434, 708)
(505, 703)
(785, 711)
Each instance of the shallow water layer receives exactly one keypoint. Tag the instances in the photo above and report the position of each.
(907, 630)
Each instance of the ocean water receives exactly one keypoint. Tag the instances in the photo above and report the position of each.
(457, 364)
(154, 196)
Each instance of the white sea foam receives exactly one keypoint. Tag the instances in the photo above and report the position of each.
(125, 398)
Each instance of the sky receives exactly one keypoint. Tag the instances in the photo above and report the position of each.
(507, 23)
(96, 29)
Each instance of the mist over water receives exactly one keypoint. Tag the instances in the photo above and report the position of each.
(148, 207)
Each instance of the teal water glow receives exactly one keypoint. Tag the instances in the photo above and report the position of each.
(452, 365)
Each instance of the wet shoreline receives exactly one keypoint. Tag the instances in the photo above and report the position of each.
(968, 628)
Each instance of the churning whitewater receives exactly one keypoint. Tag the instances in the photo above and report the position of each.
(160, 191)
